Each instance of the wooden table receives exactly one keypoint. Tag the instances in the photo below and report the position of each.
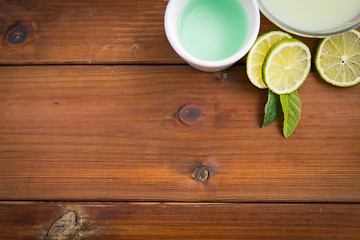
(105, 133)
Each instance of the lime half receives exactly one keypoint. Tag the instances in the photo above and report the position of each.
(337, 59)
(286, 66)
(257, 55)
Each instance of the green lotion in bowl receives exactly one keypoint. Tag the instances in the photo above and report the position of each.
(213, 29)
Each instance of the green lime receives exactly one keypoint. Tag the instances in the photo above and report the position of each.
(286, 66)
(337, 59)
(257, 55)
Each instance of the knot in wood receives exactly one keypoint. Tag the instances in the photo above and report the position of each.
(224, 75)
(64, 228)
(17, 34)
(201, 174)
(190, 114)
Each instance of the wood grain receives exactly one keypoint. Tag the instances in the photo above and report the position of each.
(151, 131)
(128, 133)
(178, 221)
(91, 32)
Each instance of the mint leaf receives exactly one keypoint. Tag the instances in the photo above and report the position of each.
(291, 105)
(273, 108)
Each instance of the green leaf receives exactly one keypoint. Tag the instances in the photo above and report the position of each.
(273, 108)
(291, 105)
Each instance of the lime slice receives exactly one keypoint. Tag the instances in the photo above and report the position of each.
(286, 66)
(337, 59)
(257, 55)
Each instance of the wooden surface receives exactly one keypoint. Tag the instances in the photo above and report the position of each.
(178, 221)
(96, 106)
(114, 133)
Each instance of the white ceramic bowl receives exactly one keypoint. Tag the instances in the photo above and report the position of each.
(171, 21)
(351, 24)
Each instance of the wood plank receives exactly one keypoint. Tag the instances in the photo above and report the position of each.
(66, 31)
(115, 133)
(65, 221)
(85, 32)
